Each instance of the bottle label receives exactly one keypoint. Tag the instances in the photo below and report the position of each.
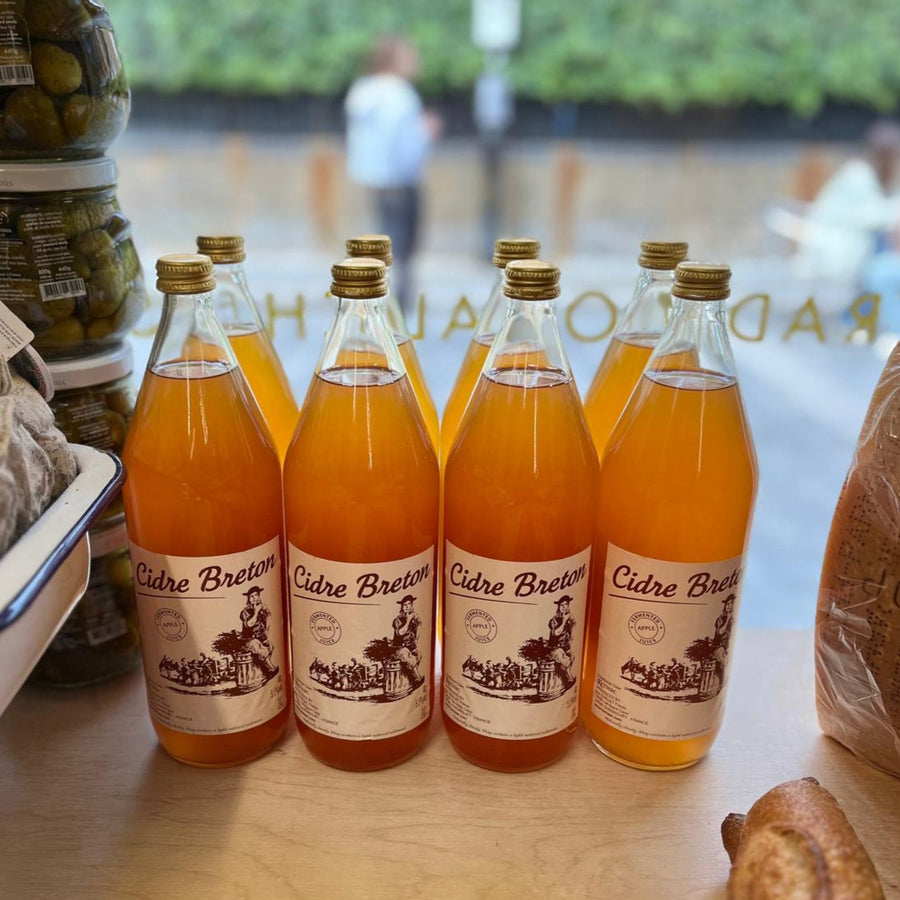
(513, 639)
(361, 635)
(212, 637)
(663, 650)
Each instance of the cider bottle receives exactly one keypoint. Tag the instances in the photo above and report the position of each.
(677, 487)
(361, 485)
(203, 508)
(637, 333)
(505, 251)
(519, 518)
(378, 246)
(237, 311)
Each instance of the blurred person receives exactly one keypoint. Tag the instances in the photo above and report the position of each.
(389, 136)
(850, 234)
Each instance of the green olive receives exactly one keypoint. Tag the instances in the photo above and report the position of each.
(116, 427)
(99, 119)
(121, 400)
(60, 309)
(81, 265)
(56, 71)
(55, 19)
(30, 120)
(62, 334)
(100, 329)
(106, 289)
(118, 571)
(94, 244)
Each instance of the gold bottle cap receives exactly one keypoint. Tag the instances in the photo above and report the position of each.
(184, 273)
(359, 277)
(508, 249)
(531, 279)
(222, 248)
(661, 254)
(375, 246)
(702, 281)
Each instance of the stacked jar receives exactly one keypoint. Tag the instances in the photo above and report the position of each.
(70, 272)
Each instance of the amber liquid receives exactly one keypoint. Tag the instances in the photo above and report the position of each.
(619, 371)
(677, 483)
(261, 367)
(463, 388)
(417, 381)
(361, 485)
(203, 479)
(520, 484)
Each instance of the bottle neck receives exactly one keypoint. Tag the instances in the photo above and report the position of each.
(650, 306)
(232, 301)
(492, 314)
(528, 340)
(190, 340)
(695, 340)
(396, 318)
(361, 338)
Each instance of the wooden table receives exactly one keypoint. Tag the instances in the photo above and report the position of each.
(91, 807)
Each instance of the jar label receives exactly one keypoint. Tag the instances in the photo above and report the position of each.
(513, 639)
(36, 263)
(15, 46)
(361, 635)
(663, 649)
(212, 635)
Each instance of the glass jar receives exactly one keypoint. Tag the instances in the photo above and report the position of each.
(68, 267)
(100, 638)
(93, 403)
(63, 90)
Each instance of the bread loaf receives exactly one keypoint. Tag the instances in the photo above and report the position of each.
(858, 618)
(796, 844)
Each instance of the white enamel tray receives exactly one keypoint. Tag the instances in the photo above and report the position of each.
(45, 573)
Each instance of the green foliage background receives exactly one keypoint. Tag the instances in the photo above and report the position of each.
(664, 53)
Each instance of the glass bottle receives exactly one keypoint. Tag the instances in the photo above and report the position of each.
(519, 519)
(203, 508)
(237, 311)
(378, 246)
(489, 323)
(677, 488)
(361, 485)
(637, 333)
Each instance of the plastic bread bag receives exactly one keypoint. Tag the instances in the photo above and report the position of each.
(858, 617)
(36, 464)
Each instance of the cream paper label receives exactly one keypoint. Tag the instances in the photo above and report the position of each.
(514, 633)
(361, 635)
(663, 651)
(212, 633)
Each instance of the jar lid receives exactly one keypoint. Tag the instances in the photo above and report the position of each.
(36, 178)
(112, 539)
(69, 374)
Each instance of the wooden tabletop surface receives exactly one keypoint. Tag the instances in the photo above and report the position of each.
(91, 807)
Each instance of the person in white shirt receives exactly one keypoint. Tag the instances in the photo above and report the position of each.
(849, 231)
(389, 136)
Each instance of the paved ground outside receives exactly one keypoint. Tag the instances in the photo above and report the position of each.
(805, 397)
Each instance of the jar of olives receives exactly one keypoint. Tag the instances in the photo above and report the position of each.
(93, 404)
(63, 92)
(68, 267)
(100, 638)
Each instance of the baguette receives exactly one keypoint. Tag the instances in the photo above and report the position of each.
(796, 844)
